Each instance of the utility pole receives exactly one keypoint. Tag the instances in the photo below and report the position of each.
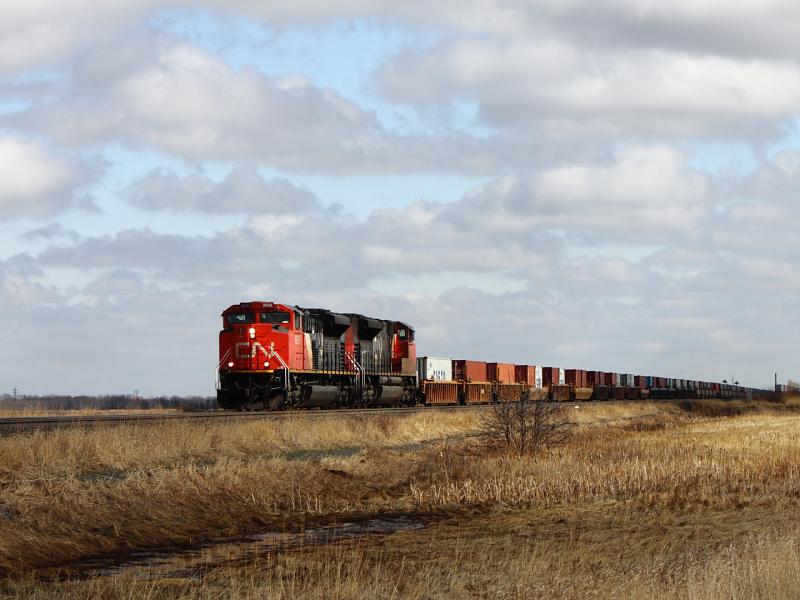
(15, 394)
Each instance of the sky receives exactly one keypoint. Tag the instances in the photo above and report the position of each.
(598, 184)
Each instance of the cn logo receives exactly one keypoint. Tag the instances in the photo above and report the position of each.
(245, 350)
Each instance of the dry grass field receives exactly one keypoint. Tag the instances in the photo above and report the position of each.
(645, 500)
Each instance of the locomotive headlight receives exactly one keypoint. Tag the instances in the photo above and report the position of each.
(230, 364)
(252, 332)
(266, 364)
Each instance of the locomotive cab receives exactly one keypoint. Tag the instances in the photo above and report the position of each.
(261, 336)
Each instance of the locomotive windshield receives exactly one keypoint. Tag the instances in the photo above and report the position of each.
(240, 318)
(276, 317)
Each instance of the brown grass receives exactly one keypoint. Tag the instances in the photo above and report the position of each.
(644, 501)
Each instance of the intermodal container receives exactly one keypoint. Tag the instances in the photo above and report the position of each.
(549, 376)
(611, 379)
(640, 381)
(576, 378)
(525, 374)
(430, 368)
(538, 383)
(500, 372)
(469, 370)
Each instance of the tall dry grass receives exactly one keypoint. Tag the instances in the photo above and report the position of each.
(66, 495)
(726, 463)
(490, 562)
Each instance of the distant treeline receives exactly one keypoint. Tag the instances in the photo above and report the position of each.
(110, 402)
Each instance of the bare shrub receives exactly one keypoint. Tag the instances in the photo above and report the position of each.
(525, 426)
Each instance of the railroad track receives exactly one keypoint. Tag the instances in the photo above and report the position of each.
(55, 421)
(16, 424)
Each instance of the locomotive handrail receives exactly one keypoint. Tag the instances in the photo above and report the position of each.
(362, 379)
(274, 353)
(219, 364)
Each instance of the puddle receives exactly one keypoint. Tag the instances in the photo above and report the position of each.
(195, 562)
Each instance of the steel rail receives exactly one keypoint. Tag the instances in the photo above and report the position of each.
(54, 421)
(12, 424)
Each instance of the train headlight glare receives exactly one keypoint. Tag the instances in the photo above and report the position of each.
(252, 332)
(266, 364)
(230, 364)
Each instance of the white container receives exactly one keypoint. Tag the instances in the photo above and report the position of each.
(562, 377)
(431, 368)
(537, 378)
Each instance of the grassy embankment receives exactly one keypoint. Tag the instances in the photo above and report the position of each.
(644, 500)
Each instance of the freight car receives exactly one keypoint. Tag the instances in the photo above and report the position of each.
(278, 356)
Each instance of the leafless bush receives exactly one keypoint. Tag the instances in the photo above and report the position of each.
(525, 426)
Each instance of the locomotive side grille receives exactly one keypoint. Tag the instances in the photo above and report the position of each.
(365, 357)
(374, 357)
(332, 358)
(317, 350)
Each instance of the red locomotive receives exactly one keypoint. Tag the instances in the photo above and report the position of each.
(279, 356)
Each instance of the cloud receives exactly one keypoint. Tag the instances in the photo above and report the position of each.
(51, 231)
(590, 240)
(558, 86)
(36, 182)
(46, 32)
(182, 100)
(748, 28)
(243, 190)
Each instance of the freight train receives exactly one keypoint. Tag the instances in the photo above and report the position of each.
(277, 356)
